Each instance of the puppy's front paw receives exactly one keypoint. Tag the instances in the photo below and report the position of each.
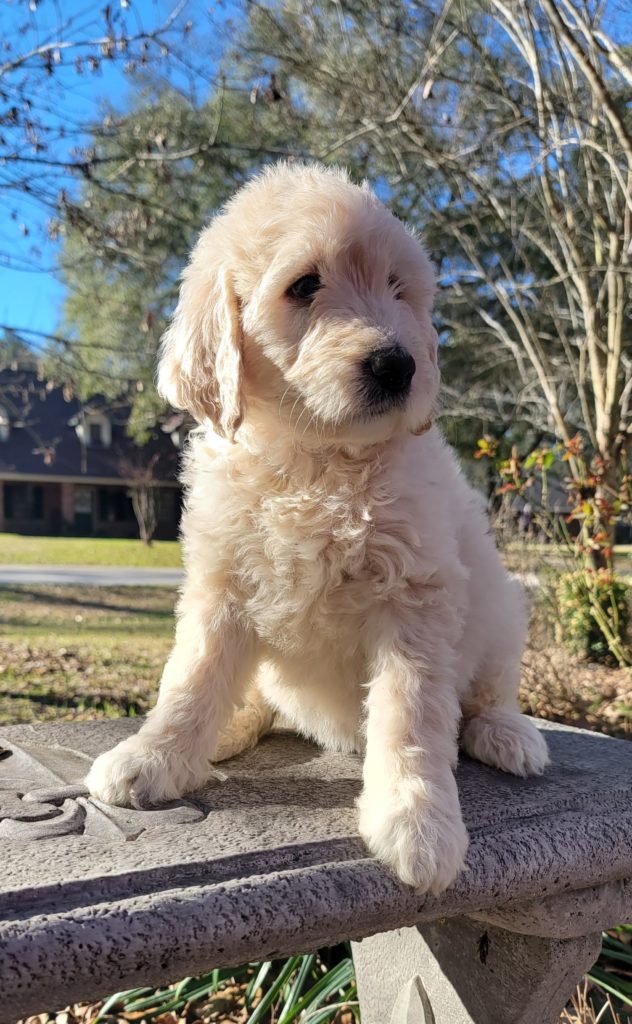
(138, 774)
(425, 844)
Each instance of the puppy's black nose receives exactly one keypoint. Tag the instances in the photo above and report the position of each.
(392, 368)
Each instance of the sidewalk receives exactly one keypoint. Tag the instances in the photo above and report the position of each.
(88, 576)
(120, 576)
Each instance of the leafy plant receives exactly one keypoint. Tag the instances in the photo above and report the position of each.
(319, 988)
(593, 610)
(593, 604)
(315, 988)
(612, 974)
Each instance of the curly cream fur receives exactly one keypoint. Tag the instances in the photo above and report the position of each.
(339, 570)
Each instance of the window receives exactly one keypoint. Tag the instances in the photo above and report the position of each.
(5, 424)
(23, 502)
(93, 428)
(9, 503)
(167, 506)
(83, 501)
(37, 502)
(115, 505)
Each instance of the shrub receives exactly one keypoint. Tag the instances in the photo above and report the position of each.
(593, 608)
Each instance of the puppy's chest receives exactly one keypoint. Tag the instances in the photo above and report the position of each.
(313, 565)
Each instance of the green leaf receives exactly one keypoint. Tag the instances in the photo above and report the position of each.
(275, 990)
(151, 1002)
(119, 997)
(258, 981)
(616, 954)
(183, 985)
(329, 1012)
(342, 974)
(296, 987)
(607, 982)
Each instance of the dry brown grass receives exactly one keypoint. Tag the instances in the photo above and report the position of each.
(582, 1009)
(81, 652)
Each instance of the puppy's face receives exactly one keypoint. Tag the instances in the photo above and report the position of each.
(307, 302)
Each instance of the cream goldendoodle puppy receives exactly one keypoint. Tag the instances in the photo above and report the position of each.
(340, 575)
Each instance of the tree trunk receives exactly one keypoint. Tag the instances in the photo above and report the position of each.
(145, 504)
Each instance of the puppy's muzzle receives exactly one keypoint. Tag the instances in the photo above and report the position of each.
(387, 375)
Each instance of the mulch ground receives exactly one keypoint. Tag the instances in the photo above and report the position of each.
(563, 687)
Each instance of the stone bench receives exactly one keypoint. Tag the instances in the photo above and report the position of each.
(267, 862)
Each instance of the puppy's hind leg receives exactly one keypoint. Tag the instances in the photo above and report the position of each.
(248, 724)
(504, 738)
(493, 730)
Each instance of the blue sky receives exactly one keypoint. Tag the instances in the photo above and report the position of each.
(30, 293)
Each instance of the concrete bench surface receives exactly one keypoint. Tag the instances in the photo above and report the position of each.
(266, 861)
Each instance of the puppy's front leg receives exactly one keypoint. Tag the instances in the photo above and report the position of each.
(409, 808)
(203, 680)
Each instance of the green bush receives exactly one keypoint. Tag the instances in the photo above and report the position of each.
(594, 612)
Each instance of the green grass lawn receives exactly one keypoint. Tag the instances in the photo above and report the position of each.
(81, 652)
(165, 554)
(18, 550)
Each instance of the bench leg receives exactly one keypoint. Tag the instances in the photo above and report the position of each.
(462, 971)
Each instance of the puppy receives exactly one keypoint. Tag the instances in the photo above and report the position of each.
(339, 570)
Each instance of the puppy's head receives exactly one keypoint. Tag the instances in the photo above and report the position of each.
(305, 301)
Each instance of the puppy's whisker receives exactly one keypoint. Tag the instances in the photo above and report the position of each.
(296, 401)
(313, 422)
(339, 415)
(296, 426)
(291, 425)
(282, 399)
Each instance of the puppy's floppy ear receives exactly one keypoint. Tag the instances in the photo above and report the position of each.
(200, 366)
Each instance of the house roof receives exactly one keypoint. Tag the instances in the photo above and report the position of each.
(43, 441)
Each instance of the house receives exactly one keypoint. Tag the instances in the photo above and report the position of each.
(68, 467)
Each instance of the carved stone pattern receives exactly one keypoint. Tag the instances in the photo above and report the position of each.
(62, 808)
(43, 813)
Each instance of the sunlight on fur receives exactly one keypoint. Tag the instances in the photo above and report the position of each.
(340, 576)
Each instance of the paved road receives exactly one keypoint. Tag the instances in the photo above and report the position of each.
(120, 576)
(88, 576)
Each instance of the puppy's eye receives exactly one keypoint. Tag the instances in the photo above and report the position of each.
(305, 288)
(396, 285)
